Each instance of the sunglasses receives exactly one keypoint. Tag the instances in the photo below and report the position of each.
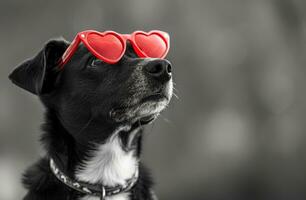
(110, 46)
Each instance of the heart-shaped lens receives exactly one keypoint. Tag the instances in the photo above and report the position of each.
(153, 45)
(107, 46)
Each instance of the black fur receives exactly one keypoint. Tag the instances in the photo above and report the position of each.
(85, 102)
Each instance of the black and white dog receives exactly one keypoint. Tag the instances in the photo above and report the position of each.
(95, 113)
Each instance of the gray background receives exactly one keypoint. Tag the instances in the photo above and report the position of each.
(237, 130)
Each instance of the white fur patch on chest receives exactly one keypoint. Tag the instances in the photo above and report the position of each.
(110, 165)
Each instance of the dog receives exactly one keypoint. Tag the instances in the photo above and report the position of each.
(95, 113)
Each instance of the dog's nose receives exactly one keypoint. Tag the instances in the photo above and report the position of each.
(159, 69)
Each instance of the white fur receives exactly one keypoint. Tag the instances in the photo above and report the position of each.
(111, 165)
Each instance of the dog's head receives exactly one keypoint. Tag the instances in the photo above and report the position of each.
(89, 95)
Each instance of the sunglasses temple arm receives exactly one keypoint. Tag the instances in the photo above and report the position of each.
(69, 52)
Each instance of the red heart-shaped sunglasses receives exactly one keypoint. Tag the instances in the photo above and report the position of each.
(110, 46)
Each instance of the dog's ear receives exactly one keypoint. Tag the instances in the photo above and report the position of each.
(38, 75)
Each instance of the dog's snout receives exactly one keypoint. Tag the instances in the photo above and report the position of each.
(159, 69)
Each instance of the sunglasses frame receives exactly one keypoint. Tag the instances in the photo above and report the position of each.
(82, 37)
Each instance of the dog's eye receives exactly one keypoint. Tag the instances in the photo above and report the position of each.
(96, 62)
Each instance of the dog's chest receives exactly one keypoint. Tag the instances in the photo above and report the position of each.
(111, 165)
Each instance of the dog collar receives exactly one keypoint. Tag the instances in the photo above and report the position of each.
(99, 190)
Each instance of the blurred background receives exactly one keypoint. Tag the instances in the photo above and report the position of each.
(237, 128)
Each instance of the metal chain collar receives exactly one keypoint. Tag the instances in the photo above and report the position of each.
(93, 189)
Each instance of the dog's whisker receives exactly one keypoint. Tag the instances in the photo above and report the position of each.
(85, 126)
(176, 96)
(166, 119)
(152, 127)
